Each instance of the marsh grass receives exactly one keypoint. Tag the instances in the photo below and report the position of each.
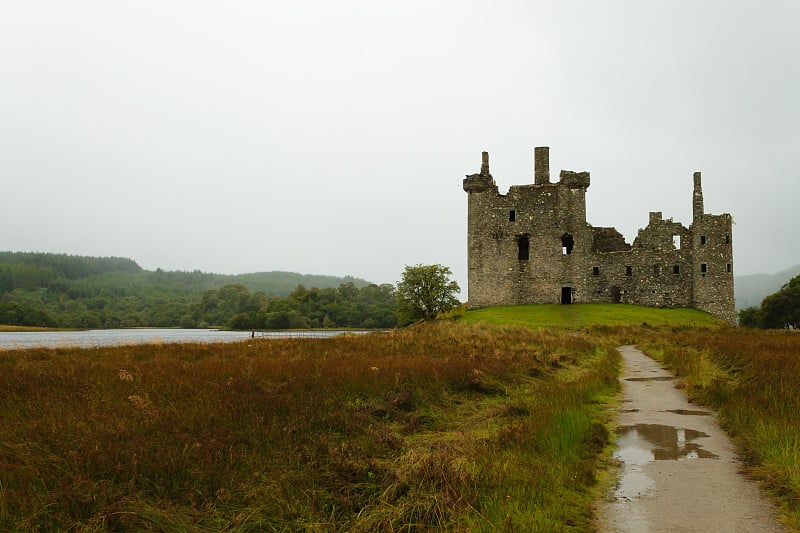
(450, 426)
(752, 378)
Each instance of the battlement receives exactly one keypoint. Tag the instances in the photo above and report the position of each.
(574, 180)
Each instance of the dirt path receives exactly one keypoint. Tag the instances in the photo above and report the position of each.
(679, 471)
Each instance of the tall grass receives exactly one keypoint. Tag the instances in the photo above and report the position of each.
(446, 426)
(752, 378)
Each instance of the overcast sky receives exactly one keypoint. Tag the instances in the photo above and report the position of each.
(332, 137)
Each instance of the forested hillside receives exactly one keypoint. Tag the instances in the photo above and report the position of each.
(56, 290)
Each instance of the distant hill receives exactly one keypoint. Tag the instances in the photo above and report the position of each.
(751, 289)
(33, 271)
(59, 290)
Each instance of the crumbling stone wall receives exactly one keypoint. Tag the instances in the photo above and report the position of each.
(533, 245)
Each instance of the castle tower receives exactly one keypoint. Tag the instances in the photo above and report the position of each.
(529, 245)
(712, 258)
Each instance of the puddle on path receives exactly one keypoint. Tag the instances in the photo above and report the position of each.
(689, 412)
(643, 443)
(654, 378)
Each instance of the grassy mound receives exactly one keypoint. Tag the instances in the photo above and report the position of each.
(579, 316)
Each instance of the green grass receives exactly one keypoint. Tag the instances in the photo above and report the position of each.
(579, 316)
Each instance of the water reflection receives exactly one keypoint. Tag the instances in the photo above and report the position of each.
(642, 443)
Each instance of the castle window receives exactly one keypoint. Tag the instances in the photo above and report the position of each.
(523, 248)
(567, 243)
(676, 242)
(512, 215)
(656, 270)
(728, 268)
(703, 268)
(676, 269)
(727, 239)
(628, 271)
(702, 239)
(666, 296)
(595, 271)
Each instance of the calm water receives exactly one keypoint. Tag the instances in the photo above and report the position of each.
(111, 337)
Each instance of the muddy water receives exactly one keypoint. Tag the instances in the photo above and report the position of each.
(678, 471)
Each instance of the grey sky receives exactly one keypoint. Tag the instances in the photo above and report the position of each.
(332, 137)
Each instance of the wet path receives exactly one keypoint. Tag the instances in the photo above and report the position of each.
(679, 471)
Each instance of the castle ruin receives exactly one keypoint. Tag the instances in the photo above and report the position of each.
(534, 246)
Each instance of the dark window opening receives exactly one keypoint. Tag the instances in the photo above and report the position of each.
(512, 216)
(656, 270)
(666, 295)
(566, 295)
(616, 294)
(676, 269)
(523, 248)
(595, 271)
(628, 271)
(703, 268)
(702, 239)
(728, 268)
(727, 239)
(567, 243)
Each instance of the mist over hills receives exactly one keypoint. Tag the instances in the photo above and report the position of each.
(751, 289)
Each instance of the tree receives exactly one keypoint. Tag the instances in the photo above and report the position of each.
(750, 317)
(424, 292)
(782, 309)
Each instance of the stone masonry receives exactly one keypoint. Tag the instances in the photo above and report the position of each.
(534, 246)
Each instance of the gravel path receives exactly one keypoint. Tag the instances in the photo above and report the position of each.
(679, 470)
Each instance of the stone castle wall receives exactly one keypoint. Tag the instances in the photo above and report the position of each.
(533, 245)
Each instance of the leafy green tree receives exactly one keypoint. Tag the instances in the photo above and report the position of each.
(750, 317)
(424, 292)
(782, 309)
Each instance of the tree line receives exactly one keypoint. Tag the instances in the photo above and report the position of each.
(51, 290)
(779, 310)
(57, 290)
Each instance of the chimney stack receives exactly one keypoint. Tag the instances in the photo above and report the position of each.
(541, 165)
(697, 196)
(485, 164)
